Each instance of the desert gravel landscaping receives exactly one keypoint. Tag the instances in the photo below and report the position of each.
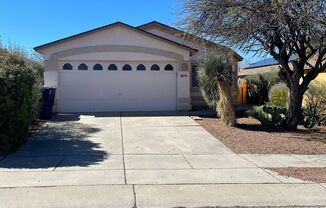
(249, 137)
(317, 175)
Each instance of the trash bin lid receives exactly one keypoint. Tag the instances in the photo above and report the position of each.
(48, 87)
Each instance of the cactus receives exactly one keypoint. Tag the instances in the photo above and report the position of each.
(270, 116)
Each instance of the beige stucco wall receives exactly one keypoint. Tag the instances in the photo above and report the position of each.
(116, 56)
(119, 44)
(117, 35)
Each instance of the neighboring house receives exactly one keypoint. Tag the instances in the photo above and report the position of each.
(270, 65)
(118, 67)
(260, 67)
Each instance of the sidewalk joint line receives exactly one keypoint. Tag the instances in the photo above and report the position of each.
(122, 151)
(60, 162)
(155, 184)
(324, 186)
(249, 161)
(187, 161)
(261, 168)
(135, 196)
(3, 158)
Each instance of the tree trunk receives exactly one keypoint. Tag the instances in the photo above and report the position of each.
(224, 105)
(294, 112)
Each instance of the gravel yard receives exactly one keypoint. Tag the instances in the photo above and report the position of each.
(249, 137)
(317, 175)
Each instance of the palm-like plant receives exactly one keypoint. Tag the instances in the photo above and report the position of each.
(215, 80)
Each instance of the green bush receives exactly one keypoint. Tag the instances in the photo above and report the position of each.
(257, 89)
(314, 104)
(270, 116)
(259, 85)
(279, 95)
(19, 98)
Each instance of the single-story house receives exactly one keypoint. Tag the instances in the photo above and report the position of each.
(119, 67)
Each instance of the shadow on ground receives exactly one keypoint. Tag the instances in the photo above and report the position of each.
(76, 116)
(50, 144)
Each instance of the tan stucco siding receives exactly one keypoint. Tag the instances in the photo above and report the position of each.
(117, 35)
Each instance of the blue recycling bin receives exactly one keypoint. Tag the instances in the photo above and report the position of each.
(48, 94)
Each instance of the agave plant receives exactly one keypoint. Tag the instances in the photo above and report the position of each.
(215, 78)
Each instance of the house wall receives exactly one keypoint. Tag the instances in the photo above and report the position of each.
(118, 35)
(119, 44)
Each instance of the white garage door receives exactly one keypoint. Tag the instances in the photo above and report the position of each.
(105, 87)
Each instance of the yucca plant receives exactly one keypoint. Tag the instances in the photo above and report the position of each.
(215, 80)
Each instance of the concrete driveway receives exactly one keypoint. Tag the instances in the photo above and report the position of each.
(128, 160)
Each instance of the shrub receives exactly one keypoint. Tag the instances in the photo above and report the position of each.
(279, 95)
(19, 98)
(257, 89)
(270, 116)
(314, 104)
(259, 85)
(311, 116)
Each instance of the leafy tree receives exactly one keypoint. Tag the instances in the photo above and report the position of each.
(280, 28)
(215, 78)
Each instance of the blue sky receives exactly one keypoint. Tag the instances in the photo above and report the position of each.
(34, 22)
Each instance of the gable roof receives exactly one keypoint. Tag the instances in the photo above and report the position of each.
(267, 62)
(37, 48)
(175, 30)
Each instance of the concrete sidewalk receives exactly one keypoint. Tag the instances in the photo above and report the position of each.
(281, 161)
(124, 160)
(167, 196)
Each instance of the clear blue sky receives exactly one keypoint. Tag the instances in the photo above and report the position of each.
(34, 22)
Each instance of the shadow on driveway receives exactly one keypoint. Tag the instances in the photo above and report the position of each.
(52, 143)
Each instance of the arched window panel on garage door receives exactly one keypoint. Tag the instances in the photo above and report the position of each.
(67, 66)
(126, 67)
(155, 67)
(82, 67)
(97, 67)
(112, 67)
(141, 67)
(168, 67)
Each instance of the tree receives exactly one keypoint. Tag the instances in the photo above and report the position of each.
(280, 28)
(215, 78)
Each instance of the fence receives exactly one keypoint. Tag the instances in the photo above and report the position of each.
(242, 92)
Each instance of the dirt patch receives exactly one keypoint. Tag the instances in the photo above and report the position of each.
(249, 137)
(317, 175)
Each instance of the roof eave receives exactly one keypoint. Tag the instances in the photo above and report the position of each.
(149, 24)
(44, 46)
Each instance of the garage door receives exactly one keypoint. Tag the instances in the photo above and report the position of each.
(106, 87)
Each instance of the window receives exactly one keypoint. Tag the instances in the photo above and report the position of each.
(112, 67)
(83, 67)
(168, 67)
(194, 80)
(155, 67)
(67, 66)
(97, 67)
(141, 67)
(126, 67)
